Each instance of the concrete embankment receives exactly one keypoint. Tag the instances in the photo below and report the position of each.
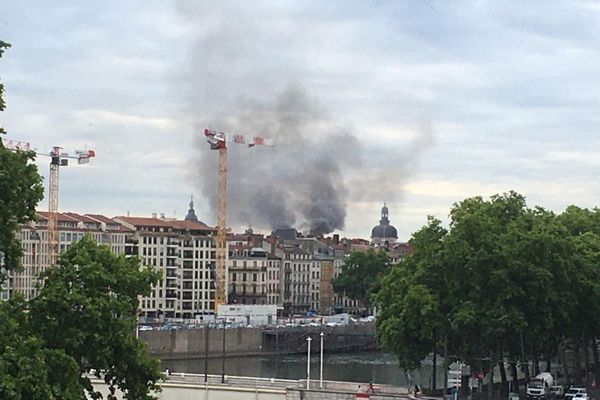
(194, 343)
(191, 386)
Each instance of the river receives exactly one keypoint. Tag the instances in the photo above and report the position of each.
(359, 367)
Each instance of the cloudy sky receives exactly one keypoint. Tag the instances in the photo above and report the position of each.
(420, 103)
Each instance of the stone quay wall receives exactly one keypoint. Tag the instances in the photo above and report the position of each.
(192, 343)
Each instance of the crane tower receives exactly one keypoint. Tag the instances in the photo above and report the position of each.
(218, 142)
(58, 159)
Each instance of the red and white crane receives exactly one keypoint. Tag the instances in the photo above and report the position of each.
(58, 159)
(218, 141)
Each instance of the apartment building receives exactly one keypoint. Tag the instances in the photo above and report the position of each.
(248, 277)
(185, 252)
(274, 280)
(296, 274)
(71, 227)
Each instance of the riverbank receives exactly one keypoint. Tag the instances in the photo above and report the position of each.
(200, 343)
(359, 367)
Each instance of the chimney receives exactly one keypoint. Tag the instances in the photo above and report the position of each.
(336, 238)
(162, 215)
(153, 215)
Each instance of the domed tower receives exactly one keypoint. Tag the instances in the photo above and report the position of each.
(384, 233)
(191, 215)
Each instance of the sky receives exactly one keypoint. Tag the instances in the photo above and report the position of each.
(419, 104)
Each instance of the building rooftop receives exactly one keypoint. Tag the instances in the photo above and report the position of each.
(158, 222)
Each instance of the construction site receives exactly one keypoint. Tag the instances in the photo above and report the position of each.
(203, 266)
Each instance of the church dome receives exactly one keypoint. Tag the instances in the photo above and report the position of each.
(384, 230)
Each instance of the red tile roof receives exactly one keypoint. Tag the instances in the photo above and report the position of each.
(156, 222)
(82, 218)
(101, 218)
(89, 218)
(61, 216)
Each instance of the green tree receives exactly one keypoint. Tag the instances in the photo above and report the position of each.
(412, 300)
(87, 307)
(84, 317)
(581, 285)
(361, 274)
(20, 191)
(490, 286)
(28, 369)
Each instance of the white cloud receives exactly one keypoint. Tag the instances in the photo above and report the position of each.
(509, 91)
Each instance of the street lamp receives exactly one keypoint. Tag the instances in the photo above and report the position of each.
(321, 369)
(206, 332)
(223, 354)
(308, 339)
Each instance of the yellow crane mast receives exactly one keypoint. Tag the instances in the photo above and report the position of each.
(218, 141)
(58, 159)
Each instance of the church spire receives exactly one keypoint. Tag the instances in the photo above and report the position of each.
(384, 215)
(191, 215)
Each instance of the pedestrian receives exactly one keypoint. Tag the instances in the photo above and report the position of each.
(408, 377)
(453, 392)
(167, 372)
(370, 389)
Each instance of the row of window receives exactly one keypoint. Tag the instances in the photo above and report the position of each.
(254, 291)
(200, 254)
(169, 240)
(244, 275)
(244, 264)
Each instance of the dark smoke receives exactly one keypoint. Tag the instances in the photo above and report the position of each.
(299, 180)
(273, 204)
(239, 79)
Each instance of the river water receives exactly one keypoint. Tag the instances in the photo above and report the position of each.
(359, 367)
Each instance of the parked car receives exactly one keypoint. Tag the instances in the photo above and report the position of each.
(581, 396)
(538, 388)
(573, 391)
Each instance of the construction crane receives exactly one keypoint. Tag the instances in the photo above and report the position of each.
(218, 141)
(58, 159)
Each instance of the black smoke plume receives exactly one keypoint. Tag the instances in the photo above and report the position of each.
(298, 181)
